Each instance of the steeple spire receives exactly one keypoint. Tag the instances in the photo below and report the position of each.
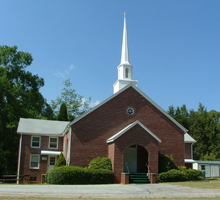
(124, 51)
(125, 69)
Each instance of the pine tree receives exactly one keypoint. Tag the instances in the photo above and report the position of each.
(63, 113)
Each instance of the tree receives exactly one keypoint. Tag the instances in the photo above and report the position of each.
(63, 113)
(204, 127)
(180, 114)
(19, 97)
(75, 103)
(47, 112)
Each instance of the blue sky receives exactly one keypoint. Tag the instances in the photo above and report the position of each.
(174, 46)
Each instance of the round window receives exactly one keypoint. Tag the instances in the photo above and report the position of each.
(130, 111)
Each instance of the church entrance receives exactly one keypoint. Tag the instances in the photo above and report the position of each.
(135, 159)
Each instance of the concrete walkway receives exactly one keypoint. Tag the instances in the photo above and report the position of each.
(106, 191)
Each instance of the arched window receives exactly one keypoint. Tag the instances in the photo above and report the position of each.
(126, 73)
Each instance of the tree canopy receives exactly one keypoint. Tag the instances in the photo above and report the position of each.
(204, 127)
(75, 103)
(19, 97)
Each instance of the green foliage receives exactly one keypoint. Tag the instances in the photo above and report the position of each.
(63, 113)
(166, 163)
(100, 163)
(19, 97)
(75, 103)
(175, 175)
(204, 127)
(79, 175)
(60, 161)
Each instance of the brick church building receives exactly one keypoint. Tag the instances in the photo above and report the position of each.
(128, 127)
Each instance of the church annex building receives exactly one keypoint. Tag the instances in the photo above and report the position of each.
(128, 127)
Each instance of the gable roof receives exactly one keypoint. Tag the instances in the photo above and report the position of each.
(42, 127)
(124, 130)
(141, 93)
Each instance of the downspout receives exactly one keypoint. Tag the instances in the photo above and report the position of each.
(69, 146)
(192, 151)
(19, 159)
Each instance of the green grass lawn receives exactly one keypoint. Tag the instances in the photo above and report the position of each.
(46, 198)
(43, 198)
(209, 183)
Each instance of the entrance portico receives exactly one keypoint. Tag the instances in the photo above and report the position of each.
(132, 148)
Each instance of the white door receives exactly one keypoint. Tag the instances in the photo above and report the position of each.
(51, 162)
(206, 168)
(214, 170)
(130, 159)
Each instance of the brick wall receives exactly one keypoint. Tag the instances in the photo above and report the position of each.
(187, 151)
(27, 151)
(89, 134)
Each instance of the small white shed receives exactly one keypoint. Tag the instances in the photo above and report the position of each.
(211, 168)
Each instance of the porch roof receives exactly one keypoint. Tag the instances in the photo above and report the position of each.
(54, 153)
(124, 130)
(189, 161)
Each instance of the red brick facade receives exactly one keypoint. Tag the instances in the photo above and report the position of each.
(89, 137)
(90, 133)
(27, 151)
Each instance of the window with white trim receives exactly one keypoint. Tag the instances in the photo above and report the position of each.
(53, 142)
(35, 141)
(35, 161)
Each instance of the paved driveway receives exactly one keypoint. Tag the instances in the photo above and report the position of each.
(106, 191)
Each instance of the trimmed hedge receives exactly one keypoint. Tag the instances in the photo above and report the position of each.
(78, 175)
(100, 163)
(175, 175)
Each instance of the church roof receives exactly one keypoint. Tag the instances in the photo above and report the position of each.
(124, 130)
(188, 138)
(141, 93)
(42, 127)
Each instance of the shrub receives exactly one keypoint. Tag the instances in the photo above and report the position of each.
(100, 176)
(180, 175)
(100, 163)
(166, 163)
(60, 161)
(78, 175)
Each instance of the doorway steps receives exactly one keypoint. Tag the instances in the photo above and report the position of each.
(138, 178)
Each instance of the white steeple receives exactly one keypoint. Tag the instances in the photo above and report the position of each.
(125, 69)
(124, 51)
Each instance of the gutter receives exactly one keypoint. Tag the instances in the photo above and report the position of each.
(19, 159)
(69, 146)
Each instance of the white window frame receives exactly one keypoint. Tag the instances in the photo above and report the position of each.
(38, 167)
(32, 141)
(57, 143)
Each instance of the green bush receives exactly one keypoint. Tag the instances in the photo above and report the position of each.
(180, 175)
(166, 163)
(60, 161)
(78, 175)
(100, 176)
(100, 163)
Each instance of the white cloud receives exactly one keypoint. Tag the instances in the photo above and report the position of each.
(93, 104)
(59, 74)
(65, 72)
